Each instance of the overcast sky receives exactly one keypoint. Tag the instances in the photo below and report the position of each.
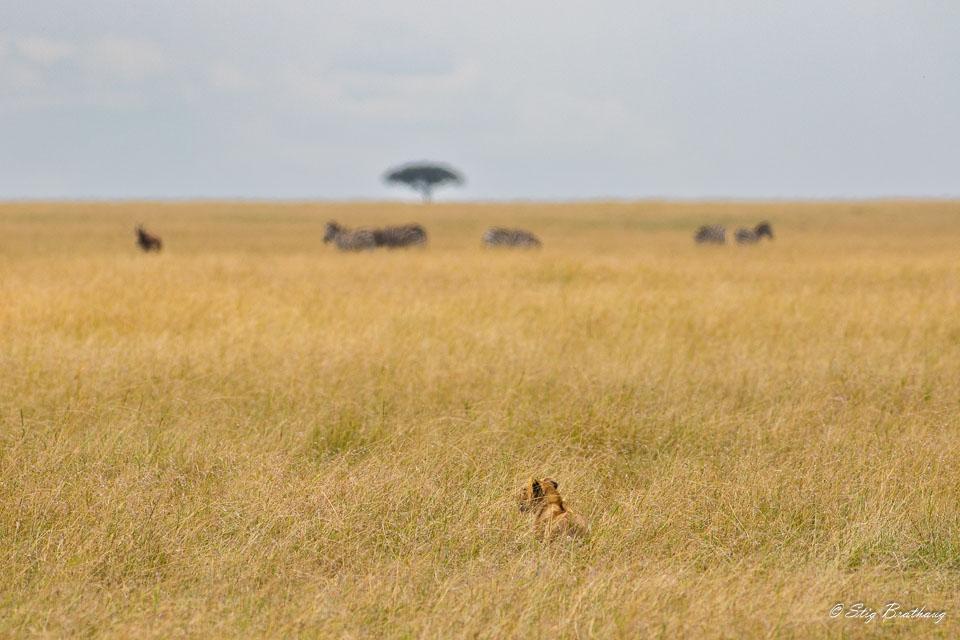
(530, 99)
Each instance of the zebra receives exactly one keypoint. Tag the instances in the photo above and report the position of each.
(349, 239)
(402, 236)
(500, 237)
(752, 236)
(146, 241)
(711, 234)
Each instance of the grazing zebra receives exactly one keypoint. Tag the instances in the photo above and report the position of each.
(146, 241)
(711, 234)
(349, 239)
(403, 236)
(752, 236)
(500, 237)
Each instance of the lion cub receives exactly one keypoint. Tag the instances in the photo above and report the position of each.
(553, 519)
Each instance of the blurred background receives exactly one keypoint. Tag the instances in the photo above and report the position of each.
(538, 100)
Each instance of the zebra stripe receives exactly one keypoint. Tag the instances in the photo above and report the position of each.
(711, 234)
(500, 237)
(349, 239)
(752, 236)
(403, 236)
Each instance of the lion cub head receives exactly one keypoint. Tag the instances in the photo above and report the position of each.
(552, 518)
(533, 494)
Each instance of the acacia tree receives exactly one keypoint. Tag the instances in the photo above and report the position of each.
(424, 177)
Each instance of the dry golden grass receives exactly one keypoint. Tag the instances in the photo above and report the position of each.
(252, 434)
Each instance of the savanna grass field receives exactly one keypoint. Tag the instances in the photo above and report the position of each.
(252, 434)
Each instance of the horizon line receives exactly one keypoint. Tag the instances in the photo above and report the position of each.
(484, 201)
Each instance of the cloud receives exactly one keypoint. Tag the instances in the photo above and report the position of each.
(21, 75)
(43, 73)
(312, 87)
(541, 98)
(405, 99)
(231, 79)
(127, 58)
(44, 50)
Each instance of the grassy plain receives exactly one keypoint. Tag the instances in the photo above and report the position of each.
(252, 434)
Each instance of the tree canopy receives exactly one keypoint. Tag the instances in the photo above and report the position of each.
(424, 177)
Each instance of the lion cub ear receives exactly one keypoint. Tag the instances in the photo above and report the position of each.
(537, 489)
(553, 482)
